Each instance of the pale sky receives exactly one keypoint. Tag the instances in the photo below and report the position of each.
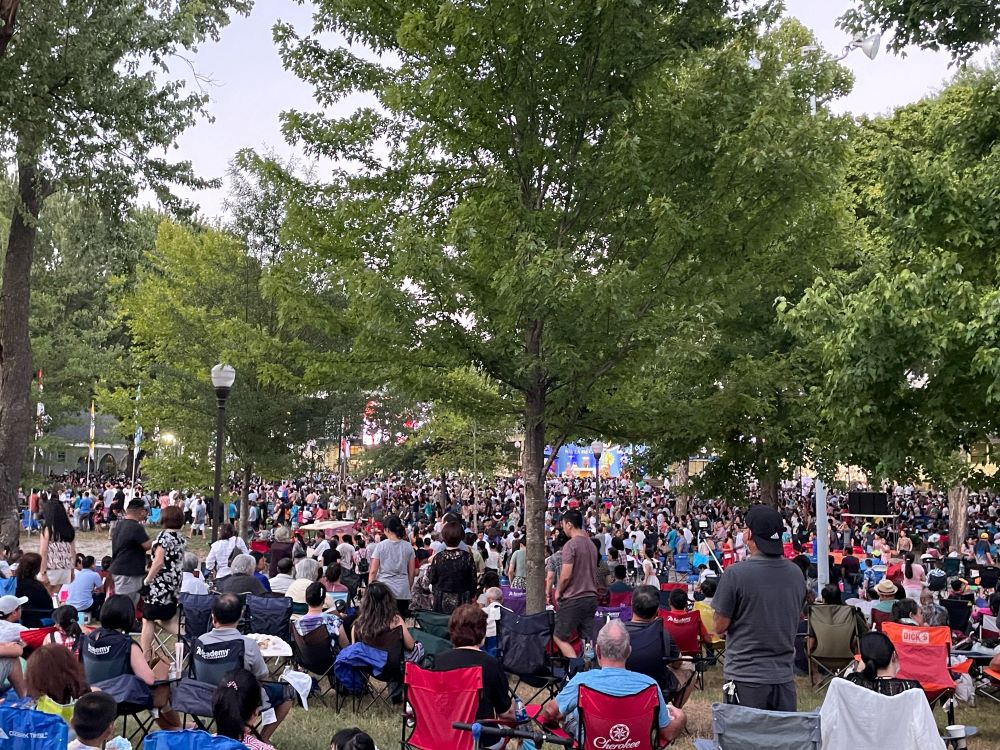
(250, 88)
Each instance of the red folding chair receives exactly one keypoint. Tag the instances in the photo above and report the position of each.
(924, 655)
(620, 599)
(673, 586)
(685, 630)
(608, 721)
(879, 618)
(437, 699)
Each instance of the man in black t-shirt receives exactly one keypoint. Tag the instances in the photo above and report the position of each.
(129, 544)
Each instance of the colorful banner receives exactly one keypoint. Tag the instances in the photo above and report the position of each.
(578, 461)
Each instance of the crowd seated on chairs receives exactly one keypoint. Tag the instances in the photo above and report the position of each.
(226, 640)
(879, 666)
(613, 679)
(317, 617)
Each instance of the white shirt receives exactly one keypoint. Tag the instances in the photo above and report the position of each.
(192, 584)
(346, 555)
(219, 554)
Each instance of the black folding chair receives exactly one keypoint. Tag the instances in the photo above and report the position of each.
(268, 615)
(524, 648)
(390, 679)
(193, 695)
(649, 657)
(989, 577)
(106, 657)
(959, 617)
(196, 618)
(315, 655)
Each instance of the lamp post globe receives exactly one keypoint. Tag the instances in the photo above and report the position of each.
(223, 377)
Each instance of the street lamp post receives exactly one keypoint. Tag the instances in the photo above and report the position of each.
(870, 46)
(597, 448)
(223, 377)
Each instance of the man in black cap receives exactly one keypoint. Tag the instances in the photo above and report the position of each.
(758, 605)
(129, 545)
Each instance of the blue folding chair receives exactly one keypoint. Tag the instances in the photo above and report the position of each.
(24, 729)
(8, 586)
(28, 523)
(682, 564)
(189, 739)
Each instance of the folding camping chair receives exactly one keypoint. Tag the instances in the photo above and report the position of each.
(195, 618)
(924, 655)
(268, 615)
(107, 667)
(371, 695)
(738, 727)
(314, 655)
(25, 729)
(525, 650)
(649, 657)
(879, 618)
(718, 643)
(193, 695)
(853, 717)
(685, 629)
(435, 700)
(682, 565)
(434, 623)
(619, 598)
(959, 617)
(835, 631)
(989, 576)
(630, 719)
(190, 739)
(951, 566)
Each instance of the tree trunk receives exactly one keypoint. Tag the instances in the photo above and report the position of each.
(15, 346)
(769, 490)
(958, 515)
(681, 478)
(534, 497)
(245, 499)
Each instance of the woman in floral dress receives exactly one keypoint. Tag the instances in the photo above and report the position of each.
(163, 580)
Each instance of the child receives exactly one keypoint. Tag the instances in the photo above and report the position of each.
(11, 646)
(68, 631)
(236, 709)
(492, 599)
(93, 721)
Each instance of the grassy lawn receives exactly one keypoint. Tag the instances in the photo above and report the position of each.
(311, 730)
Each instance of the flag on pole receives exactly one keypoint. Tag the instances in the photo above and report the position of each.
(93, 427)
(40, 410)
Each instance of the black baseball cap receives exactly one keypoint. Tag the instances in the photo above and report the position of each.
(766, 526)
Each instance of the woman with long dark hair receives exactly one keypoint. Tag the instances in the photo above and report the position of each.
(393, 563)
(236, 708)
(879, 665)
(914, 577)
(377, 615)
(28, 568)
(56, 545)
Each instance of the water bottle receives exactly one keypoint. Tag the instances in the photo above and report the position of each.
(520, 712)
(588, 652)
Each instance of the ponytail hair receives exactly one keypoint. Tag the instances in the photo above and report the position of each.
(876, 653)
(908, 570)
(65, 617)
(236, 700)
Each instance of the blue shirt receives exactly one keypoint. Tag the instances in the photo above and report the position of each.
(81, 590)
(610, 681)
(86, 504)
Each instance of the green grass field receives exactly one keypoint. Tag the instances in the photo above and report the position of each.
(311, 730)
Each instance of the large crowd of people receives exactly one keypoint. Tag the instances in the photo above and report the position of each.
(458, 547)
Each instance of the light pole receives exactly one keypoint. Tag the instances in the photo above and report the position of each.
(869, 45)
(223, 377)
(597, 448)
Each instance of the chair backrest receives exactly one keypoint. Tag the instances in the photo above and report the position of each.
(391, 642)
(523, 641)
(923, 654)
(106, 654)
(648, 656)
(951, 565)
(268, 615)
(879, 618)
(834, 627)
(682, 563)
(619, 598)
(959, 613)
(437, 700)
(685, 629)
(609, 721)
(36, 617)
(989, 577)
(189, 739)
(990, 630)
(24, 729)
(704, 609)
(211, 661)
(434, 623)
(738, 727)
(197, 609)
(313, 650)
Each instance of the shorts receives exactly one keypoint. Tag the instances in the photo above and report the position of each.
(683, 673)
(576, 616)
(129, 586)
(57, 578)
(275, 694)
(764, 696)
(160, 612)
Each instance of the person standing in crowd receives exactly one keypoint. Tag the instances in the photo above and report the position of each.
(394, 564)
(517, 568)
(129, 544)
(576, 587)
(56, 545)
(452, 573)
(224, 551)
(758, 607)
(163, 579)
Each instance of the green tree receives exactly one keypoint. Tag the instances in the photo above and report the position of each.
(907, 336)
(544, 190)
(199, 300)
(87, 102)
(960, 26)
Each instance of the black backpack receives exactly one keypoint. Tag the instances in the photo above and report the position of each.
(937, 580)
